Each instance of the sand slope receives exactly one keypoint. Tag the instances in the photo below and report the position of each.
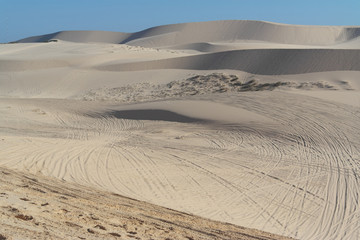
(250, 123)
(36, 207)
(263, 62)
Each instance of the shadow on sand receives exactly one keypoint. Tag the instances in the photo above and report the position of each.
(153, 114)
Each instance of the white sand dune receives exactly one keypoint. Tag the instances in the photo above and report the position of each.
(246, 122)
(216, 31)
(80, 36)
(203, 47)
(263, 62)
(248, 44)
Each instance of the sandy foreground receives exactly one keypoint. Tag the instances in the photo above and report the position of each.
(39, 207)
(244, 122)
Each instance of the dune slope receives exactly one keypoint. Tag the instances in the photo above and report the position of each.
(263, 62)
(38, 207)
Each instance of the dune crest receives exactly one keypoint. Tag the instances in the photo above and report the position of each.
(216, 31)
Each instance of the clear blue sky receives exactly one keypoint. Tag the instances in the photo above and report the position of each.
(23, 18)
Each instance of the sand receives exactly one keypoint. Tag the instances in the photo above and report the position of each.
(39, 207)
(244, 122)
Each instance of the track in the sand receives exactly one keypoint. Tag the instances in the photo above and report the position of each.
(299, 177)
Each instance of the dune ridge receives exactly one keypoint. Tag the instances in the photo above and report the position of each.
(216, 31)
(79, 36)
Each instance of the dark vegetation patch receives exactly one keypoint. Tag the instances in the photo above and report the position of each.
(24, 217)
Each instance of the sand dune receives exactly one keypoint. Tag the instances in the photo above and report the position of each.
(279, 175)
(245, 122)
(203, 47)
(16, 66)
(247, 44)
(263, 62)
(80, 36)
(257, 61)
(217, 31)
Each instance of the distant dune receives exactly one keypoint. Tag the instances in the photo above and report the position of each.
(217, 31)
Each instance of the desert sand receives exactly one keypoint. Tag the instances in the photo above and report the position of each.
(39, 207)
(243, 122)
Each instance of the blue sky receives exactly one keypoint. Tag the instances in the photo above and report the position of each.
(23, 18)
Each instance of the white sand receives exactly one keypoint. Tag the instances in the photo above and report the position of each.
(39, 207)
(159, 126)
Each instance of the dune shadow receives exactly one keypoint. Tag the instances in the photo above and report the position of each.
(153, 114)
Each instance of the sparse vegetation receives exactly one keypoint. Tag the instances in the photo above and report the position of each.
(24, 217)
(196, 85)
